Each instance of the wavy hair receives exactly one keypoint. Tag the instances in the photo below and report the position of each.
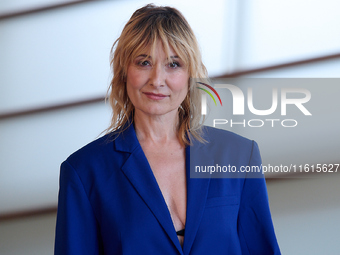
(146, 27)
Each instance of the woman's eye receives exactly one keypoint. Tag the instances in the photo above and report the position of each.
(144, 63)
(174, 64)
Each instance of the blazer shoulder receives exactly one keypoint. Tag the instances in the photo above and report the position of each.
(225, 142)
(93, 151)
(228, 148)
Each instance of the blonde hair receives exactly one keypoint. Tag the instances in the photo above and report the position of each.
(146, 27)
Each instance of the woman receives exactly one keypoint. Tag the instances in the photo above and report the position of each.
(130, 192)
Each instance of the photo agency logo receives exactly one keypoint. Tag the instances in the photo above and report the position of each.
(204, 98)
(278, 99)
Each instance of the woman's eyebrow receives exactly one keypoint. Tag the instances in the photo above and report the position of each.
(148, 56)
(144, 56)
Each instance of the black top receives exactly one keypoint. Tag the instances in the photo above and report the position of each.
(180, 232)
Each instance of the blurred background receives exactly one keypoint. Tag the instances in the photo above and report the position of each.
(54, 74)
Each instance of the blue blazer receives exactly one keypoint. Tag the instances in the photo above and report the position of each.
(110, 202)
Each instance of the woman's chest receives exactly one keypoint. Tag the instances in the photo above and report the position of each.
(169, 171)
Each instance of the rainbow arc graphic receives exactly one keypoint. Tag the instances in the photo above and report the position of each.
(209, 93)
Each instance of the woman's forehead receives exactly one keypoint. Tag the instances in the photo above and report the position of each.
(153, 49)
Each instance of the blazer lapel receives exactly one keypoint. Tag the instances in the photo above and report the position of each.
(139, 173)
(197, 191)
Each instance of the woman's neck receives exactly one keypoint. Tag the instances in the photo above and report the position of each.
(156, 129)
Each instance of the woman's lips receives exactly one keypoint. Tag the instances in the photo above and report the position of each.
(155, 96)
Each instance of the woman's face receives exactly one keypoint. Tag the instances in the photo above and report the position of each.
(157, 85)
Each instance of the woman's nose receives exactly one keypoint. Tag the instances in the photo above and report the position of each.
(157, 76)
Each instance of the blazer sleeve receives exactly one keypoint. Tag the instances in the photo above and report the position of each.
(76, 227)
(255, 227)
